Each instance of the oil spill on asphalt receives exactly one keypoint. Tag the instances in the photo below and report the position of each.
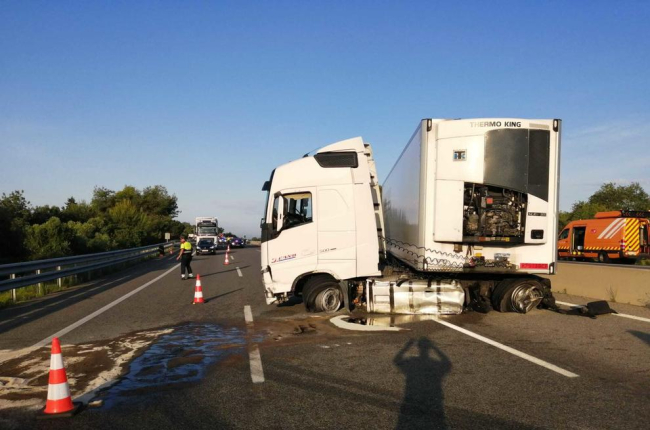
(180, 357)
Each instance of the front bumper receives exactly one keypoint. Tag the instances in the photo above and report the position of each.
(274, 291)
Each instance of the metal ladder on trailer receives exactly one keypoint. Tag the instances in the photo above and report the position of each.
(376, 199)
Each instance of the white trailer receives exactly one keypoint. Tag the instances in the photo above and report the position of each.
(470, 214)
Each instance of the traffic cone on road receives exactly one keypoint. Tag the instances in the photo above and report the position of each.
(228, 249)
(225, 263)
(198, 291)
(59, 402)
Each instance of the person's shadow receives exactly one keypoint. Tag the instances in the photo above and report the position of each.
(423, 404)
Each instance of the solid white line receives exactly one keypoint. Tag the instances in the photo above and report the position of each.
(239, 272)
(248, 314)
(100, 311)
(632, 317)
(513, 351)
(257, 373)
(82, 321)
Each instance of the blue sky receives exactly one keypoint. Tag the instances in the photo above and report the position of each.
(206, 98)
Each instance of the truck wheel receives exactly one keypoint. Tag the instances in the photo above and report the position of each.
(603, 257)
(517, 295)
(322, 294)
(329, 300)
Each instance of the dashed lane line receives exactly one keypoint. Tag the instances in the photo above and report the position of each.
(254, 357)
(239, 272)
(632, 317)
(513, 351)
(248, 314)
(85, 319)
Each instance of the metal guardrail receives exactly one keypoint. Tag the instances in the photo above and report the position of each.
(79, 263)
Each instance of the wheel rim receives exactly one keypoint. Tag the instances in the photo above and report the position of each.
(525, 298)
(329, 300)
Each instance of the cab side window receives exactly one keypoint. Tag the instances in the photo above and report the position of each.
(297, 210)
(564, 234)
(274, 215)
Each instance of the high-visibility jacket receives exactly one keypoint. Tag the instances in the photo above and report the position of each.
(186, 247)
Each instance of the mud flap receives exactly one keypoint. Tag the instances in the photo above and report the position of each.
(345, 290)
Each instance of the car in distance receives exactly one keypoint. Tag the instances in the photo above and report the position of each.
(237, 242)
(206, 246)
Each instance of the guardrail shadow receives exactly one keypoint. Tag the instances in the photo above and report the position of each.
(23, 313)
(641, 335)
(423, 404)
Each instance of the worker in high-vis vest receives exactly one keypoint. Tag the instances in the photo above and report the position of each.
(185, 255)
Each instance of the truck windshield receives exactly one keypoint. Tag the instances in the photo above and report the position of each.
(207, 231)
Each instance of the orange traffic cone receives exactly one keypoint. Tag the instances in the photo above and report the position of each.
(225, 263)
(198, 291)
(59, 402)
(228, 249)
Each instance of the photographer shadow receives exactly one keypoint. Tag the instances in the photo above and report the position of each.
(423, 403)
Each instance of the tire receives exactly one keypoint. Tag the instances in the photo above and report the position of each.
(519, 295)
(603, 257)
(322, 294)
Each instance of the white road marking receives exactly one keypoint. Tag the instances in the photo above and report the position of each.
(257, 373)
(248, 314)
(513, 351)
(232, 258)
(239, 272)
(87, 318)
(632, 317)
(340, 323)
(254, 357)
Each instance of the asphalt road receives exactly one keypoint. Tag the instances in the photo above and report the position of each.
(541, 370)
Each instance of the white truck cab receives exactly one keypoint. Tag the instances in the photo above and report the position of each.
(320, 219)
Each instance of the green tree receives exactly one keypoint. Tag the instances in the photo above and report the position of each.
(613, 197)
(609, 197)
(79, 212)
(103, 199)
(49, 240)
(128, 224)
(40, 214)
(15, 212)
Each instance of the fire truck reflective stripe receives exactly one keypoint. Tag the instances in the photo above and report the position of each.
(616, 229)
(610, 226)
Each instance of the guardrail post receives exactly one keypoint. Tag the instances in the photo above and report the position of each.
(13, 292)
(40, 284)
(59, 281)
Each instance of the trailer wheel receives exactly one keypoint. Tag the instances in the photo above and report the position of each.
(603, 257)
(322, 294)
(519, 295)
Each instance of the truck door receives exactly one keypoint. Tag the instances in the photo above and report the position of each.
(563, 242)
(291, 250)
(643, 239)
(578, 239)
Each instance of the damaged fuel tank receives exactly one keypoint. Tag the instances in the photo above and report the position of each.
(415, 296)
